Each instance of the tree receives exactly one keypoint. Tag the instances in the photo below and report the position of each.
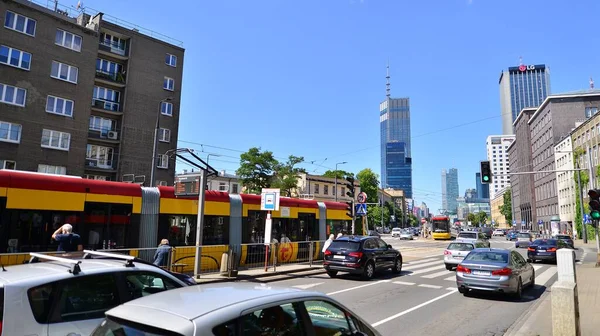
(481, 217)
(286, 175)
(585, 179)
(471, 218)
(374, 216)
(341, 174)
(256, 169)
(506, 208)
(369, 184)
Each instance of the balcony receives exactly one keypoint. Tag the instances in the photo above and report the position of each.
(113, 49)
(106, 106)
(98, 164)
(111, 78)
(105, 135)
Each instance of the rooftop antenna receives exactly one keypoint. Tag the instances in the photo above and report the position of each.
(387, 77)
(591, 83)
(520, 60)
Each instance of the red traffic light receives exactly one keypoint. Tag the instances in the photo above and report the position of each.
(594, 193)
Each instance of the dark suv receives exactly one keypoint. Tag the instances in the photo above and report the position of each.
(362, 255)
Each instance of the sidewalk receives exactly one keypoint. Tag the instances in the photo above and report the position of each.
(538, 319)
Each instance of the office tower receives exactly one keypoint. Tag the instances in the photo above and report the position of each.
(450, 190)
(497, 154)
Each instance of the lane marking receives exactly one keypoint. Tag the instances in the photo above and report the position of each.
(358, 287)
(582, 258)
(307, 286)
(427, 264)
(420, 261)
(430, 286)
(404, 283)
(378, 323)
(436, 275)
(537, 267)
(543, 278)
(451, 288)
(452, 278)
(427, 270)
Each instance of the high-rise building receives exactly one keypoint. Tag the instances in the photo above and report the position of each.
(497, 154)
(483, 189)
(450, 190)
(521, 87)
(81, 94)
(396, 159)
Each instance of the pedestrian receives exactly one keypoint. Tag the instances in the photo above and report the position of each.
(66, 239)
(339, 235)
(328, 242)
(161, 256)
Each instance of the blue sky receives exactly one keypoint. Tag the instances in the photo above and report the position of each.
(306, 77)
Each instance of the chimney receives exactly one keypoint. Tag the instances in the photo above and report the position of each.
(222, 173)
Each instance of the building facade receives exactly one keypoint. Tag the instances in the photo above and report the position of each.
(497, 155)
(224, 181)
(497, 217)
(514, 185)
(322, 188)
(450, 190)
(81, 95)
(483, 189)
(522, 86)
(565, 182)
(523, 195)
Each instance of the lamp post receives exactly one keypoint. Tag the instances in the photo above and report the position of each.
(155, 142)
(335, 191)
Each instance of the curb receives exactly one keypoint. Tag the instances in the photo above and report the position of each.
(242, 277)
(523, 320)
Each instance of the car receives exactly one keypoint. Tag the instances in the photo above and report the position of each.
(406, 234)
(523, 239)
(373, 233)
(361, 255)
(495, 270)
(511, 235)
(457, 250)
(234, 309)
(498, 232)
(68, 294)
(396, 232)
(473, 236)
(567, 239)
(545, 249)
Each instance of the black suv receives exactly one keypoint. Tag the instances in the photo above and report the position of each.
(362, 255)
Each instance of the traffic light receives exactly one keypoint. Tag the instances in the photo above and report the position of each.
(350, 209)
(350, 187)
(486, 173)
(594, 203)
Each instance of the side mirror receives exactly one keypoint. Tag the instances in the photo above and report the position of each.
(389, 246)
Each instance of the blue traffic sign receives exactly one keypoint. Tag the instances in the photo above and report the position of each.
(361, 209)
(514, 222)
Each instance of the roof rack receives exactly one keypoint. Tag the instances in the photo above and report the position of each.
(76, 269)
(129, 259)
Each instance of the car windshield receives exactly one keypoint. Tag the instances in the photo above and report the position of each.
(344, 245)
(488, 256)
(460, 247)
(551, 242)
(523, 235)
(112, 328)
(468, 235)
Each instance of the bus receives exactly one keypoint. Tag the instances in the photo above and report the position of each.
(440, 228)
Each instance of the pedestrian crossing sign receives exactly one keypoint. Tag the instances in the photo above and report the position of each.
(361, 209)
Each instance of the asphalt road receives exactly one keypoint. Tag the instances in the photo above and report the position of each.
(423, 299)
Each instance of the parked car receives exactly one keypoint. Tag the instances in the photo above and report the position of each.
(234, 309)
(458, 250)
(497, 270)
(524, 239)
(567, 239)
(545, 249)
(362, 255)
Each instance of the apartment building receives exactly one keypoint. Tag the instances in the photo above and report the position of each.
(497, 155)
(322, 188)
(565, 182)
(81, 95)
(497, 217)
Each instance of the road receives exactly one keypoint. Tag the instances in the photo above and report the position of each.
(423, 299)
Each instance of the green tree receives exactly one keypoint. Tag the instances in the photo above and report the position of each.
(506, 208)
(369, 183)
(472, 218)
(341, 174)
(374, 216)
(481, 217)
(412, 220)
(256, 169)
(585, 179)
(286, 175)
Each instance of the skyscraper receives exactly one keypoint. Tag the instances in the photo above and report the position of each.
(520, 87)
(396, 161)
(497, 154)
(450, 190)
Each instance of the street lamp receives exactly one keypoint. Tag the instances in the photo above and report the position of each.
(155, 142)
(335, 191)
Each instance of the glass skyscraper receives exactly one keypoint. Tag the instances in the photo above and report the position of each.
(450, 190)
(396, 159)
(520, 87)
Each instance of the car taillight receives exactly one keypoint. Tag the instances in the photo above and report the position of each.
(552, 249)
(462, 269)
(356, 254)
(531, 249)
(446, 252)
(504, 271)
(327, 252)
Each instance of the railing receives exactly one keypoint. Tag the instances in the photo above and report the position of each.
(113, 47)
(106, 105)
(117, 77)
(305, 252)
(95, 163)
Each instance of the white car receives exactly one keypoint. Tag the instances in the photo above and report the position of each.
(498, 232)
(396, 232)
(69, 295)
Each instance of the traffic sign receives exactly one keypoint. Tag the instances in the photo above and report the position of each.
(269, 199)
(423, 220)
(361, 209)
(362, 197)
(514, 222)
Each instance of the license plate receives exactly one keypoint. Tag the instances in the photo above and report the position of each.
(339, 257)
(476, 272)
(541, 250)
(458, 257)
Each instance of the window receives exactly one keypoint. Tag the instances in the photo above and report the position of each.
(60, 106)
(49, 169)
(141, 284)
(68, 40)
(96, 177)
(99, 156)
(56, 140)
(102, 124)
(164, 135)
(169, 84)
(277, 320)
(166, 108)
(64, 72)
(10, 132)
(12, 95)
(590, 111)
(234, 188)
(328, 319)
(163, 161)
(19, 23)
(325, 190)
(222, 186)
(171, 60)
(316, 188)
(15, 57)
(8, 164)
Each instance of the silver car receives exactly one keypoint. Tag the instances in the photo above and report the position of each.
(498, 270)
(406, 234)
(233, 309)
(524, 239)
(473, 237)
(458, 250)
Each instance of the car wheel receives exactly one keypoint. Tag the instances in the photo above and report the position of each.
(369, 271)
(462, 290)
(332, 274)
(449, 267)
(532, 280)
(397, 268)
(519, 293)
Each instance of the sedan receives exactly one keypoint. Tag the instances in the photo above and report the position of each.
(567, 239)
(545, 249)
(495, 270)
(524, 239)
(406, 234)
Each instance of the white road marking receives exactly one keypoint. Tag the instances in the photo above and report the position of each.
(582, 258)
(413, 308)
(420, 261)
(537, 267)
(451, 288)
(427, 264)
(452, 278)
(435, 275)
(427, 270)
(357, 287)
(430, 286)
(307, 286)
(404, 283)
(541, 279)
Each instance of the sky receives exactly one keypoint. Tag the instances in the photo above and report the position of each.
(306, 77)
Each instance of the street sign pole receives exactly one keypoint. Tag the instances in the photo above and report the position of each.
(269, 201)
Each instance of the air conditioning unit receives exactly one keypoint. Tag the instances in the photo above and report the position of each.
(129, 178)
(113, 135)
